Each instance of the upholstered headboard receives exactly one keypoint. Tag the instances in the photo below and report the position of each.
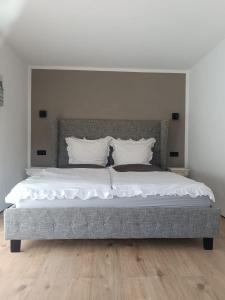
(124, 129)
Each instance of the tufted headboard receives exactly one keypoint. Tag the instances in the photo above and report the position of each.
(124, 129)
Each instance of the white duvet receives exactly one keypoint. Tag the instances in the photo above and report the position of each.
(129, 184)
(53, 184)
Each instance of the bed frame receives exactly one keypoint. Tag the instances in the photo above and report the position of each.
(108, 222)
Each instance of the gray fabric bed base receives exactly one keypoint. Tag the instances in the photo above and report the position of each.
(107, 223)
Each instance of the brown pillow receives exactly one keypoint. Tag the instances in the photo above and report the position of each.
(88, 166)
(136, 168)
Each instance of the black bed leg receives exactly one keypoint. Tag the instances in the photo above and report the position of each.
(15, 245)
(208, 243)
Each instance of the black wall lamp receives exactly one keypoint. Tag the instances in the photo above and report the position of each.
(175, 116)
(43, 114)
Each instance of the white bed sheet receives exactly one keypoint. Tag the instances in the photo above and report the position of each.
(107, 187)
(53, 183)
(130, 184)
(137, 201)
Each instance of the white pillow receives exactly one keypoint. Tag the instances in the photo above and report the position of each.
(83, 151)
(132, 152)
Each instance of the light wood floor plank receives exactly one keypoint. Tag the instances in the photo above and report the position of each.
(113, 270)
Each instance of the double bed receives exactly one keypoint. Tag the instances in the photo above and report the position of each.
(133, 208)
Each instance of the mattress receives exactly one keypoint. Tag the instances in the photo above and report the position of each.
(136, 201)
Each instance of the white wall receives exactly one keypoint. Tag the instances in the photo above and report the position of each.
(13, 121)
(206, 153)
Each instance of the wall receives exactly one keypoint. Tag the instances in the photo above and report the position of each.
(207, 122)
(13, 121)
(109, 95)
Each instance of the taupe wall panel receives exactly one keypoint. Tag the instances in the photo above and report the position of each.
(106, 95)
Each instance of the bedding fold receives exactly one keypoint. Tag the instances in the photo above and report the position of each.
(89, 184)
(130, 184)
(54, 183)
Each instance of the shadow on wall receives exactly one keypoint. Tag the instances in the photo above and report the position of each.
(215, 182)
(10, 11)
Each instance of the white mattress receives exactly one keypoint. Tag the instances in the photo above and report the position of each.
(137, 201)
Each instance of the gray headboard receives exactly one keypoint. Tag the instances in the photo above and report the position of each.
(124, 129)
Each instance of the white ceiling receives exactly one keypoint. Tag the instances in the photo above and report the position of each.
(142, 34)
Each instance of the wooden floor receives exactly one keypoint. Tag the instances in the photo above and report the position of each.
(105, 270)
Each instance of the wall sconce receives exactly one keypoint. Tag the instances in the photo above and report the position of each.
(175, 116)
(43, 114)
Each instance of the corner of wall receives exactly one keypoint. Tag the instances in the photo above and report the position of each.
(29, 117)
(187, 103)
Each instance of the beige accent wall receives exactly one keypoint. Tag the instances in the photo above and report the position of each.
(106, 95)
(13, 121)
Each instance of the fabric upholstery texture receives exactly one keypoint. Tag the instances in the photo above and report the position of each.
(136, 168)
(108, 222)
(124, 129)
(82, 166)
(101, 223)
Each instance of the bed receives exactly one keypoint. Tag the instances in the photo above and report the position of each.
(118, 218)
